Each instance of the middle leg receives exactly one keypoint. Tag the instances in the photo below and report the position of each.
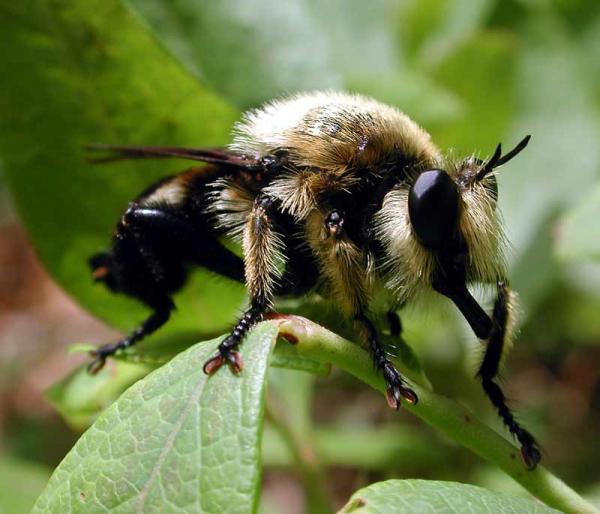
(262, 253)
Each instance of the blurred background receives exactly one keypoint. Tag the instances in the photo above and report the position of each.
(473, 73)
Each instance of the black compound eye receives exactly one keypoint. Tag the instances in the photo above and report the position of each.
(433, 205)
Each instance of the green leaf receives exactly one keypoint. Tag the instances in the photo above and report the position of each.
(247, 51)
(75, 73)
(429, 29)
(429, 496)
(480, 72)
(176, 441)
(20, 484)
(579, 231)
(80, 397)
(252, 52)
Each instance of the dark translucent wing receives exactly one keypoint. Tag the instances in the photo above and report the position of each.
(210, 155)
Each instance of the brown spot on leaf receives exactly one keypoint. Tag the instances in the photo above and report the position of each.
(354, 505)
(290, 338)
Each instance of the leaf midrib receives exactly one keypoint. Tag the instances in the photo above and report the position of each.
(194, 397)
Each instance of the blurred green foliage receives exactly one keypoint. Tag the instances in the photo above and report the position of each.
(472, 72)
(20, 484)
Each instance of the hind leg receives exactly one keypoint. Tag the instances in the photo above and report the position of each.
(156, 320)
(204, 248)
(153, 287)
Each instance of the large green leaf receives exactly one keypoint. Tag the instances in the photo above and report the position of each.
(428, 496)
(177, 441)
(249, 51)
(82, 72)
(81, 397)
(254, 51)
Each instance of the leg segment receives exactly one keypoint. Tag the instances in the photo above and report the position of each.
(227, 349)
(262, 246)
(456, 290)
(498, 339)
(144, 273)
(346, 266)
(156, 320)
(204, 249)
(396, 386)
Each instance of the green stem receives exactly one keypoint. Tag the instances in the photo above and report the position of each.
(388, 446)
(317, 343)
(305, 462)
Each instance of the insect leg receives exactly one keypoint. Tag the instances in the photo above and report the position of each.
(150, 292)
(396, 386)
(262, 245)
(345, 265)
(156, 320)
(206, 249)
(150, 285)
(301, 271)
(497, 341)
(456, 290)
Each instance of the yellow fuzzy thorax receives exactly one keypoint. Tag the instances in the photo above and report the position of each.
(340, 135)
(331, 131)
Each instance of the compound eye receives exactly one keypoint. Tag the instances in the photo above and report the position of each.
(433, 204)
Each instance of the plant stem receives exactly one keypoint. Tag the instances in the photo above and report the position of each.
(343, 446)
(313, 341)
(305, 463)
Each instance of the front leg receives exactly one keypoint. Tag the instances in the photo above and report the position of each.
(498, 333)
(346, 267)
(262, 252)
(497, 344)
